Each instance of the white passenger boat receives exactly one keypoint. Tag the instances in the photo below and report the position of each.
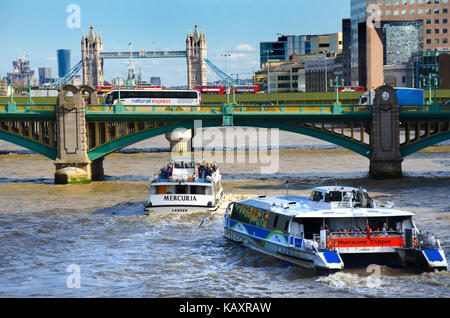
(185, 185)
(335, 227)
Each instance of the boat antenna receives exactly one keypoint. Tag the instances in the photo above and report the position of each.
(287, 187)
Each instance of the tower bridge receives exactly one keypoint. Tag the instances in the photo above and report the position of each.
(78, 136)
(93, 56)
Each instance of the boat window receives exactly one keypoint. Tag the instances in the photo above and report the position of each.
(181, 189)
(250, 215)
(275, 221)
(316, 196)
(198, 190)
(333, 196)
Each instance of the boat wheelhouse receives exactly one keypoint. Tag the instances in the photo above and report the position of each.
(335, 227)
(185, 185)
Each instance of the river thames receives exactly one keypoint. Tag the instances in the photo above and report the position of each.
(100, 232)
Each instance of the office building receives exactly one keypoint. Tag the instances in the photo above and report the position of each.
(288, 45)
(399, 75)
(318, 74)
(444, 70)
(342, 67)
(45, 75)
(262, 79)
(426, 63)
(63, 62)
(155, 81)
(387, 32)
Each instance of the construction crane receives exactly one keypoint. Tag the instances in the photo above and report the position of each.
(227, 79)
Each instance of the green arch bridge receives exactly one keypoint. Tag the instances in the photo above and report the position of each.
(80, 136)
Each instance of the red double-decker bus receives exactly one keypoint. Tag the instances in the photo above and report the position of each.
(351, 89)
(219, 89)
(211, 89)
(106, 89)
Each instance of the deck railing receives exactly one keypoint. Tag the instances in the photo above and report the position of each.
(215, 109)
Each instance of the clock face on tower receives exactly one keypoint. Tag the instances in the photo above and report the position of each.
(385, 96)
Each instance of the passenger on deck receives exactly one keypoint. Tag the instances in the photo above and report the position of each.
(384, 229)
(201, 170)
(359, 231)
(164, 173)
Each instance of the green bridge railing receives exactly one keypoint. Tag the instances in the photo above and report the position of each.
(23, 108)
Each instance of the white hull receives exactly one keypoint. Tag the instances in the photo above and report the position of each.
(200, 203)
(312, 231)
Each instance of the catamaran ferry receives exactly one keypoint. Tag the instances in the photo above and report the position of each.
(185, 185)
(335, 227)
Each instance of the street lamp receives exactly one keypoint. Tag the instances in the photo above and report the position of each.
(432, 81)
(225, 55)
(335, 84)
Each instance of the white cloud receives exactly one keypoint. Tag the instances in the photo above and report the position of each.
(51, 58)
(244, 48)
(236, 56)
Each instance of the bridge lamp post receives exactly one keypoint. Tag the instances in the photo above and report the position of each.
(432, 81)
(335, 84)
(29, 92)
(227, 85)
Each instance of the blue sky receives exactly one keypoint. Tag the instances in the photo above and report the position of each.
(39, 28)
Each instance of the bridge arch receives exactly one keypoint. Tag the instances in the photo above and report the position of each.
(122, 142)
(424, 143)
(29, 144)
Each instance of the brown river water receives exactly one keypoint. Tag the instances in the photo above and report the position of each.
(95, 240)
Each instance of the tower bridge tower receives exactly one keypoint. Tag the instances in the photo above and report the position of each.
(91, 46)
(195, 58)
(92, 56)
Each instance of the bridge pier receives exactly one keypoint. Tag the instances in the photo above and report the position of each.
(72, 163)
(179, 141)
(386, 160)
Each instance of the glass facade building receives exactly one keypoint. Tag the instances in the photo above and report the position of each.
(401, 40)
(63, 62)
(288, 45)
(425, 28)
(45, 75)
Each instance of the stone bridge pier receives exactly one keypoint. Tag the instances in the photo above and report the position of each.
(72, 162)
(386, 160)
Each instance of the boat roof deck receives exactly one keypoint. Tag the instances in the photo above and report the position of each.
(299, 206)
(187, 182)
